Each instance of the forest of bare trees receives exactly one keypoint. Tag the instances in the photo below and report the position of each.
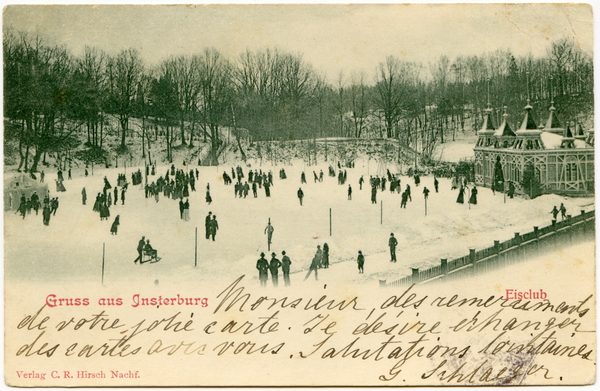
(56, 100)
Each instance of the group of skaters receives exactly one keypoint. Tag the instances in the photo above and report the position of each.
(257, 179)
(320, 261)
(107, 198)
(211, 226)
(49, 207)
(460, 199)
(563, 212)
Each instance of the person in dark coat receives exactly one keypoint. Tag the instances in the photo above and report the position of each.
(314, 266)
(115, 226)
(436, 183)
(254, 189)
(83, 196)
(473, 198)
(116, 197)
(285, 268)
(274, 268)
(22, 206)
(554, 213)
(361, 262)
(214, 226)
(511, 190)
(302, 178)
(563, 211)
(325, 261)
(46, 214)
(208, 197)
(140, 249)
(263, 266)
(349, 192)
(393, 242)
(54, 205)
(35, 202)
(404, 199)
(70, 174)
(207, 221)
(181, 206)
(374, 194)
(123, 196)
(461, 196)
(267, 189)
(407, 191)
(425, 193)
(300, 195)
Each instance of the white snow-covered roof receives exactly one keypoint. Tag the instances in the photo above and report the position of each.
(553, 141)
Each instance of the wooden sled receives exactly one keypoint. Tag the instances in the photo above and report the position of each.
(150, 257)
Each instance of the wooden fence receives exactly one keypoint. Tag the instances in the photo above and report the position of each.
(558, 235)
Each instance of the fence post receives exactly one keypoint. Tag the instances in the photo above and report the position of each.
(444, 266)
(569, 230)
(415, 275)
(537, 239)
(518, 241)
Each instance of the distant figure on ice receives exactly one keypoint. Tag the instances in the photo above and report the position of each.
(417, 179)
(207, 224)
(407, 191)
(361, 262)
(181, 209)
(140, 249)
(563, 211)
(461, 196)
(314, 266)
(267, 187)
(473, 198)
(436, 183)
(319, 255)
(325, 261)
(123, 195)
(208, 198)
(46, 214)
(404, 200)
(349, 192)
(425, 193)
(361, 181)
(263, 266)
(511, 190)
(454, 183)
(254, 189)
(149, 250)
(554, 213)
(315, 176)
(374, 194)
(269, 231)
(214, 226)
(285, 268)
(115, 226)
(274, 268)
(70, 174)
(186, 210)
(302, 178)
(321, 176)
(393, 242)
(59, 175)
(86, 172)
(83, 196)
(300, 195)
(42, 175)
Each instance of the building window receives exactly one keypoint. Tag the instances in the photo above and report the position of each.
(571, 172)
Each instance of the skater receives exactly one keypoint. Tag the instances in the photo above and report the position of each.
(186, 210)
(393, 242)
(349, 192)
(321, 176)
(300, 195)
(425, 193)
(123, 195)
(254, 189)
(361, 181)
(511, 190)
(454, 183)
(46, 214)
(116, 197)
(207, 221)
(314, 266)
(407, 191)
(315, 176)
(473, 198)
(54, 206)
(274, 268)
(269, 231)
(404, 200)
(302, 178)
(319, 255)
(361, 262)
(374, 194)
(208, 197)
(70, 174)
(140, 249)
(285, 268)
(325, 256)
(267, 187)
(35, 202)
(554, 213)
(86, 172)
(214, 226)
(42, 175)
(563, 211)
(461, 196)
(83, 196)
(436, 183)
(262, 265)
(115, 226)
(181, 206)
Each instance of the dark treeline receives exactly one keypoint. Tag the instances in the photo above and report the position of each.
(55, 99)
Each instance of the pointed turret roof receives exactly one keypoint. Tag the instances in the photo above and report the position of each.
(528, 126)
(504, 130)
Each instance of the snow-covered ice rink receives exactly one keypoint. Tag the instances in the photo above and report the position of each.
(70, 249)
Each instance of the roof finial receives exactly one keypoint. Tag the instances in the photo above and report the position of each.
(505, 111)
(488, 93)
(551, 95)
(527, 73)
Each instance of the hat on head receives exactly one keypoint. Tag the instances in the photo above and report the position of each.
(262, 254)
(283, 252)
(273, 254)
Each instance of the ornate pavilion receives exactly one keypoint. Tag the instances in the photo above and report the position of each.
(562, 157)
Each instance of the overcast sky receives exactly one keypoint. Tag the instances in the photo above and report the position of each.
(331, 37)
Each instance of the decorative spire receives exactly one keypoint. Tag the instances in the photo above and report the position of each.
(552, 108)
(489, 105)
(528, 100)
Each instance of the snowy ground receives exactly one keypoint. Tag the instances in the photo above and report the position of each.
(70, 249)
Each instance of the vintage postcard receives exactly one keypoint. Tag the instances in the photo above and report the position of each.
(299, 195)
